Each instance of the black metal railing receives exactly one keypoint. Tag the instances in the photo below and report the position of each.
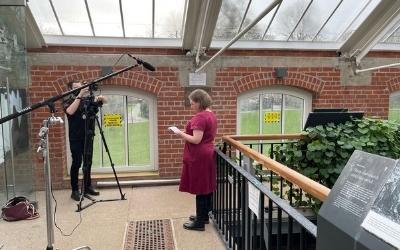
(278, 225)
(281, 187)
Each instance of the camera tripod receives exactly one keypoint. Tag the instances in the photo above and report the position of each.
(90, 109)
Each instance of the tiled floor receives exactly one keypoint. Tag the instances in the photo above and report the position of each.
(103, 224)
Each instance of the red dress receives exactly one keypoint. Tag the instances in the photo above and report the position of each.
(199, 166)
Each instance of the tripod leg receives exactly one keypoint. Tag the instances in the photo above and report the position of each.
(109, 157)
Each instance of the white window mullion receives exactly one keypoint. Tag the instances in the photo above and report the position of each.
(260, 113)
(283, 104)
(125, 115)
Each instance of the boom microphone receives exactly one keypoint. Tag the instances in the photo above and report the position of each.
(147, 65)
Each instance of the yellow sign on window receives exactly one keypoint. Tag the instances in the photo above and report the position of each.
(112, 120)
(270, 117)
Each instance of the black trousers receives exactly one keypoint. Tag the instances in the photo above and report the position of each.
(203, 206)
(77, 154)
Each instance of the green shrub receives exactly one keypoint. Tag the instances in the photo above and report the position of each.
(325, 150)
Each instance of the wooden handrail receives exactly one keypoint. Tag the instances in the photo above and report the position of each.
(267, 137)
(313, 188)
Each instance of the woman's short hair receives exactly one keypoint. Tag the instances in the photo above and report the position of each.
(201, 97)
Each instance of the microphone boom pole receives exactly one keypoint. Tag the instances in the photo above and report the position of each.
(51, 100)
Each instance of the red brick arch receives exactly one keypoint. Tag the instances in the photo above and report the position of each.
(126, 79)
(258, 80)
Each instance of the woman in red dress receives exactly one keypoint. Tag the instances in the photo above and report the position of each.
(199, 167)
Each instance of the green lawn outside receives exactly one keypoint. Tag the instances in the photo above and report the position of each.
(249, 123)
(139, 149)
(394, 115)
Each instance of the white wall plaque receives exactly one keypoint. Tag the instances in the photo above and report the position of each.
(197, 79)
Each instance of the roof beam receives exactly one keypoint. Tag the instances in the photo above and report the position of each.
(34, 38)
(380, 21)
(270, 7)
(197, 14)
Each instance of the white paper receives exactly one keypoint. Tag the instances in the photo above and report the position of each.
(174, 129)
(383, 228)
(254, 199)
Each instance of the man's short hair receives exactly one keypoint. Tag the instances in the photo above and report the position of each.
(70, 83)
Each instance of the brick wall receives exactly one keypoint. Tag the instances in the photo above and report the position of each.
(323, 82)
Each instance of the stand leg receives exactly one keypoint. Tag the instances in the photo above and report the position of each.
(87, 161)
(109, 157)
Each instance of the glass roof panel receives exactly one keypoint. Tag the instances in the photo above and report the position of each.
(137, 18)
(168, 18)
(394, 36)
(349, 14)
(106, 17)
(229, 18)
(73, 17)
(286, 19)
(44, 17)
(313, 20)
(256, 7)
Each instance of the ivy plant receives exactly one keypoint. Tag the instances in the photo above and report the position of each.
(324, 151)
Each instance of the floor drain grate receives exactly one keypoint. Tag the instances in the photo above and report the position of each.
(149, 234)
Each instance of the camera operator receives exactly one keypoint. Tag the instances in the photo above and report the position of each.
(74, 108)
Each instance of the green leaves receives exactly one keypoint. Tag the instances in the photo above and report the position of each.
(325, 150)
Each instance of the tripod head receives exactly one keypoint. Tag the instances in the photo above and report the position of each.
(90, 104)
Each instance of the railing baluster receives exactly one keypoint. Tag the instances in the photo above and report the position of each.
(279, 230)
(220, 198)
(290, 225)
(270, 208)
(261, 219)
(223, 201)
(302, 235)
(254, 233)
(230, 206)
(248, 225)
(243, 190)
(234, 210)
(290, 233)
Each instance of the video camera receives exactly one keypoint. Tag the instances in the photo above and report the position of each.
(90, 105)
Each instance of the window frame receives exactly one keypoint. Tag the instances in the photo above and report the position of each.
(283, 90)
(152, 102)
(395, 94)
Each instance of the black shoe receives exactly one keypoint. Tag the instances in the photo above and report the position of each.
(193, 218)
(91, 191)
(194, 225)
(75, 195)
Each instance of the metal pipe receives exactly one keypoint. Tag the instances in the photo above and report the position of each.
(201, 35)
(90, 18)
(6, 69)
(241, 33)
(301, 18)
(56, 16)
(378, 67)
(244, 16)
(139, 183)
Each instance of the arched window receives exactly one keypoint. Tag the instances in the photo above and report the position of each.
(274, 110)
(131, 140)
(394, 106)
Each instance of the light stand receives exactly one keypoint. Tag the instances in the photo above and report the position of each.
(44, 139)
(43, 147)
